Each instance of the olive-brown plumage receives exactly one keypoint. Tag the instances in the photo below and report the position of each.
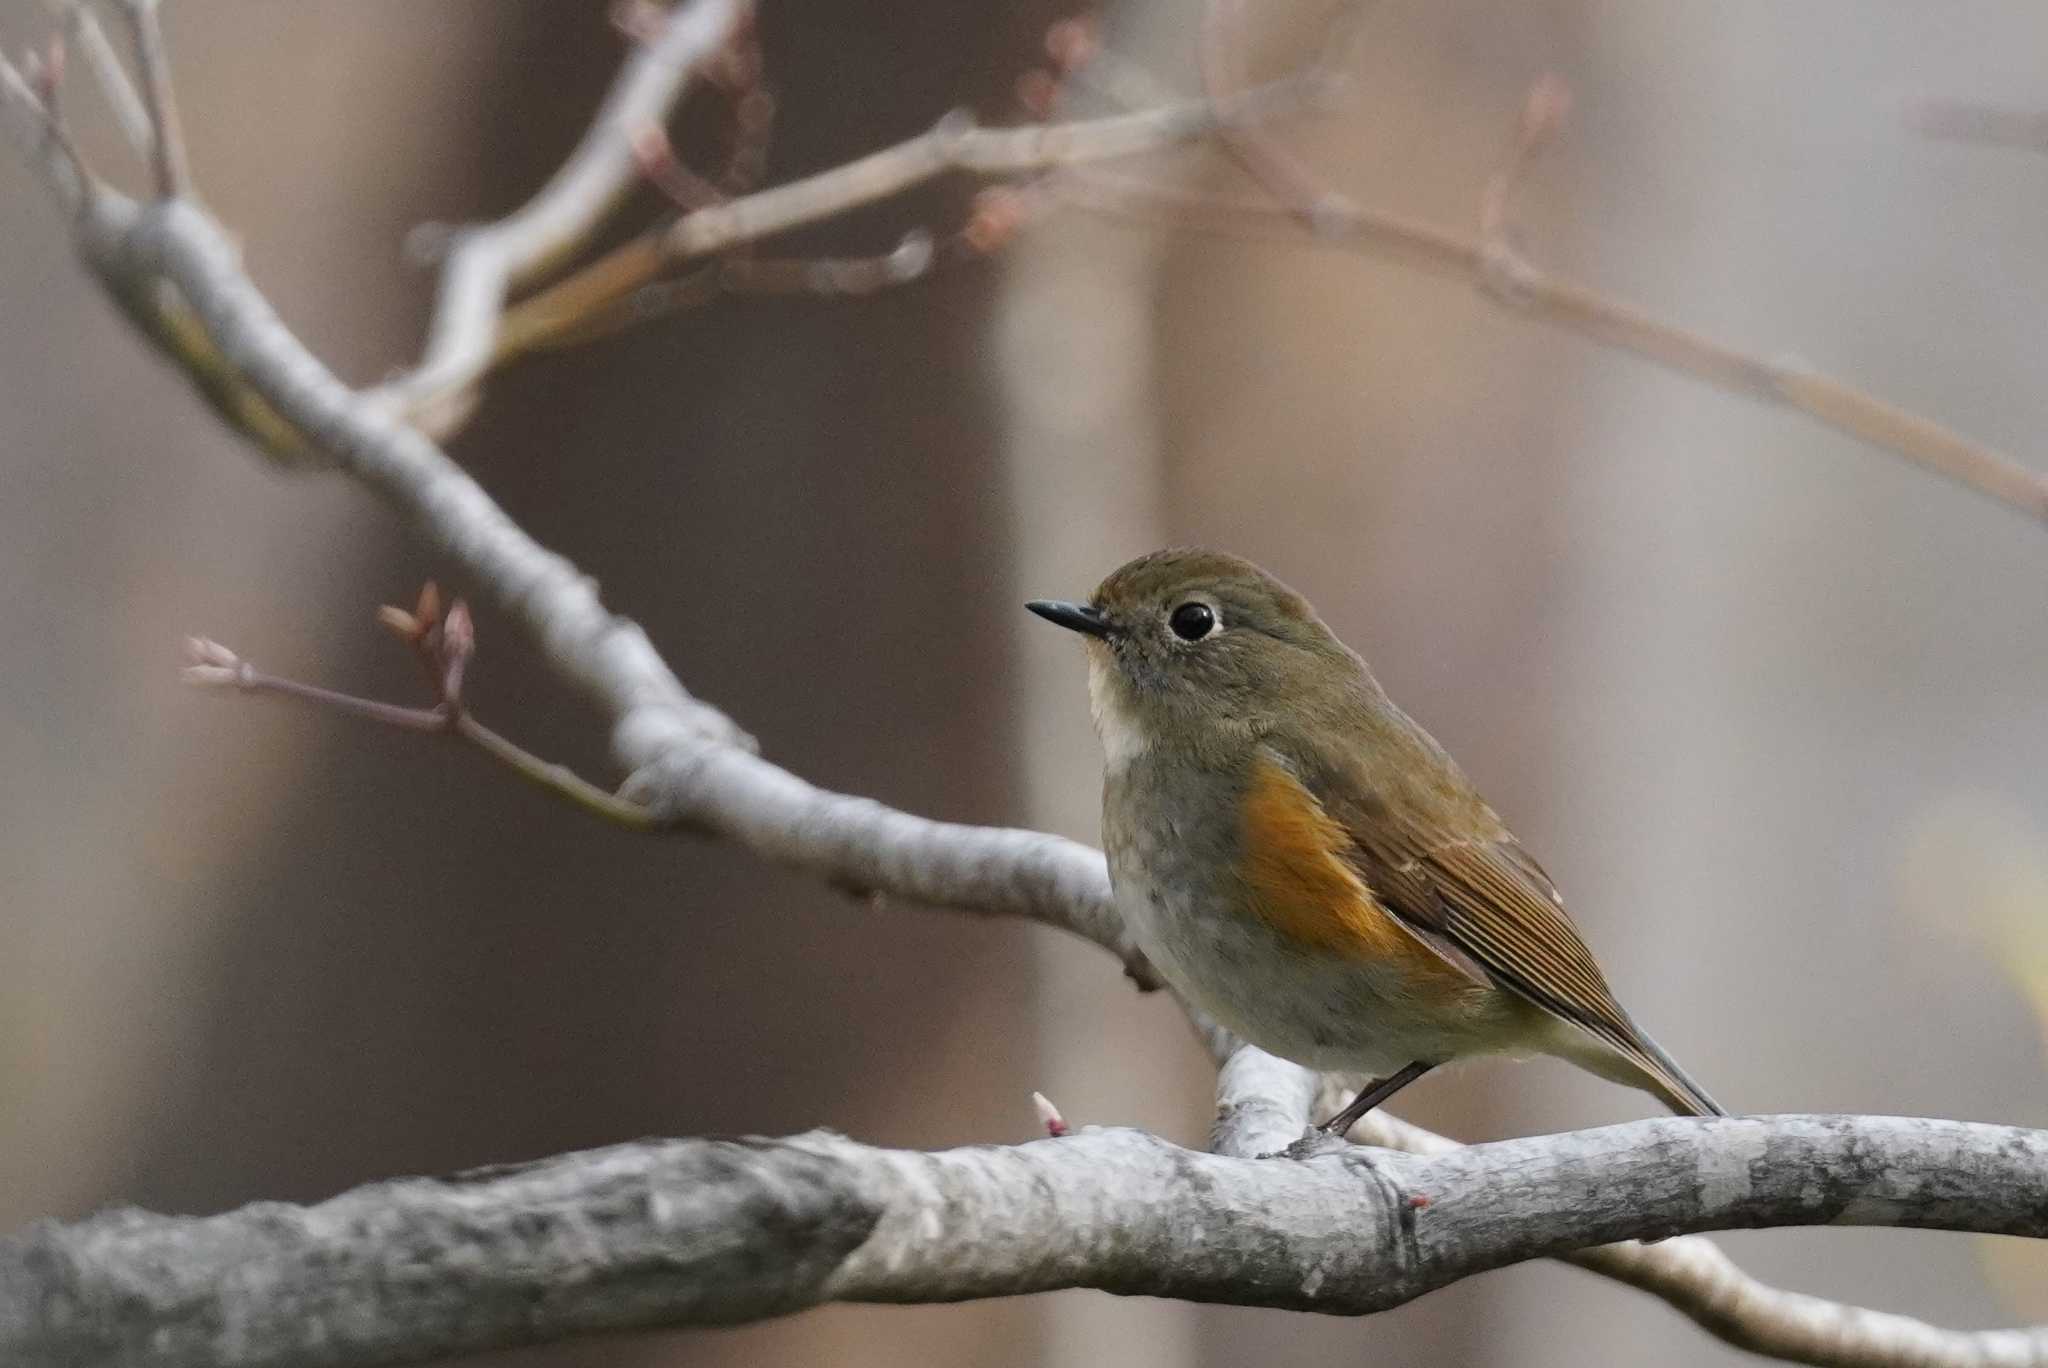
(1306, 863)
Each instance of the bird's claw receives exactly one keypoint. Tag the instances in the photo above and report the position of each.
(1314, 1142)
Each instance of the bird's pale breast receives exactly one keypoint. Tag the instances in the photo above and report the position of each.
(1234, 882)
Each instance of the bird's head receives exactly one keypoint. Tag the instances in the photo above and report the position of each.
(1194, 645)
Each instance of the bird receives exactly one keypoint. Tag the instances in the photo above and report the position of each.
(1307, 865)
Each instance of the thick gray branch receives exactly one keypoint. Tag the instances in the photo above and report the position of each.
(1699, 1281)
(1263, 1103)
(705, 1232)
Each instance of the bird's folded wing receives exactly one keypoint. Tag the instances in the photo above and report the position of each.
(1492, 901)
(1443, 865)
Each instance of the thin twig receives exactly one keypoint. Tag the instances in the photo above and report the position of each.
(45, 72)
(659, 166)
(560, 317)
(754, 107)
(1276, 170)
(954, 144)
(167, 141)
(472, 313)
(909, 260)
(485, 263)
(1524, 288)
(1543, 113)
(51, 150)
(246, 678)
(130, 113)
(212, 665)
(555, 778)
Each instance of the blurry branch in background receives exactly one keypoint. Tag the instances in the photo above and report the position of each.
(167, 136)
(713, 227)
(475, 331)
(619, 290)
(82, 28)
(485, 262)
(1343, 1230)
(716, 1232)
(1492, 263)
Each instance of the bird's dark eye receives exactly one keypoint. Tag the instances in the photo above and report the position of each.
(1192, 621)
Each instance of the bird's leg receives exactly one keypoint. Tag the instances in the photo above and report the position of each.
(1374, 1093)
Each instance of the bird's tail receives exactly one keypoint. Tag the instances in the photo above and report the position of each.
(1672, 1085)
(1636, 1061)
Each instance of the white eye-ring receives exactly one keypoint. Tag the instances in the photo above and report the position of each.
(1193, 620)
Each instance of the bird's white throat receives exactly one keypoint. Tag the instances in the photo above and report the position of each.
(1123, 739)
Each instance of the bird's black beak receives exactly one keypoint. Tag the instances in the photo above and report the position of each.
(1075, 617)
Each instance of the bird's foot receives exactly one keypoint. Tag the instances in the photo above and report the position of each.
(1314, 1141)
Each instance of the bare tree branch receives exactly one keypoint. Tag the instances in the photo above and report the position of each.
(706, 1232)
(690, 763)
(1307, 211)
(954, 144)
(1263, 1103)
(486, 262)
(604, 297)
(130, 113)
(167, 143)
(212, 665)
(36, 123)
(174, 271)
(1700, 1282)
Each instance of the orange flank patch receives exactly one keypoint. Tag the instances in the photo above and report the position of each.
(1305, 889)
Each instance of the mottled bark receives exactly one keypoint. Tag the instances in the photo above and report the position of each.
(712, 1232)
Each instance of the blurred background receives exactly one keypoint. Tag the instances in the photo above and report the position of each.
(1768, 704)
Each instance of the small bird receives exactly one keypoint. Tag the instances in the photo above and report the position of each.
(1306, 864)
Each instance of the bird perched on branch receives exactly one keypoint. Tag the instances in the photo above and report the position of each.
(1306, 864)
